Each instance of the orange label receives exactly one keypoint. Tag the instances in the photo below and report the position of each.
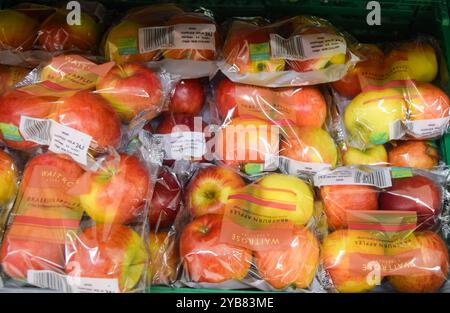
(67, 74)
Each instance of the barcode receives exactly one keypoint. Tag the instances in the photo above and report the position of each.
(154, 38)
(291, 48)
(36, 129)
(375, 178)
(48, 280)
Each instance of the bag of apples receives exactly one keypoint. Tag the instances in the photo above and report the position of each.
(239, 235)
(165, 35)
(264, 129)
(384, 223)
(41, 31)
(77, 230)
(303, 50)
(389, 96)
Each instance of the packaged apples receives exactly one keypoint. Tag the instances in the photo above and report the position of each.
(259, 53)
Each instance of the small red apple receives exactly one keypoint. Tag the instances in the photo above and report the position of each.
(208, 191)
(205, 258)
(414, 153)
(188, 98)
(108, 251)
(131, 89)
(166, 200)
(417, 193)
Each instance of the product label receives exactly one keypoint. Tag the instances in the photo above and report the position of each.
(259, 51)
(427, 128)
(182, 145)
(180, 36)
(308, 46)
(294, 167)
(400, 172)
(127, 45)
(10, 132)
(59, 138)
(369, 175)
(396, 131)
(69, 284)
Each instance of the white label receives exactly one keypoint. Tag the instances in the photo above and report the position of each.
(182, 145)
(271, 162)
(59, 138)
(427, 128)
(63, 283)
(180, 36)
(396, 130)
(369, 176)
(304, 47)
(294, 167)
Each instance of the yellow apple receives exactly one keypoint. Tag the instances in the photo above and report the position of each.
(375, 155)
(17, 30)
(369, 115)
(8, 178)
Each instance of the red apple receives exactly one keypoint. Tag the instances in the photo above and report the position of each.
(417, 193)
(166, 200)
(188, 97)
(118, 191)
(414, 153)
(426, 101)
(208, 191)
(55, 34)
(206, 259)
(108, 251)
(12, 107)
(17, 30)
(131, 89)
(91, 114)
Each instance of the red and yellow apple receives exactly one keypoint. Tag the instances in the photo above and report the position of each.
(17, 30)
(309, 144)
(131, 89)
(425, 101)
(108, 251)
(338, 199)
(188, 97)
(296, 265)
(375, 155)
(56, 34)
(117, 192)
(414, 153)
(208, 191)
(8, 178)
(163, 258)
(208, 260)
(340, 251)
(369, 115)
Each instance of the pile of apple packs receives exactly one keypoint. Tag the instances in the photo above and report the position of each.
(157, 147)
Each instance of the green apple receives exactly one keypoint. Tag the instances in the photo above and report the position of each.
(375, 155)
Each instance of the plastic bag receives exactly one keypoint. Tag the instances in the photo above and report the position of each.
(303, 50)
(76, 231)
(384, 223)
(184, 43)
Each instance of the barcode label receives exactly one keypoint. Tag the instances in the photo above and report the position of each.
(426, 129)
(48, 280)
(396, 130)
(304, 47)
(294, 167)
(36, 130)
(180, 36)
(182, 145)
(369, 175)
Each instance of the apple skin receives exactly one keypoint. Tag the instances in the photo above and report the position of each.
(17, 256)
(166, 200)
(109, 251)
(188, 98)
(337, 248)
(91, 114)
(417, 193)
(8, 178)
(425, 101)
(132, 88)
(15, 104)
(55, 34)
(208, 191)
(368, 116)
(375, 155)
(258, 140)
(432, 278)
(117, 192)
(414, 153)
(339, 199)
(295, 265)
(192, 54)
(17, 31)
(206, 259)
(10, 76)
(164, 258)
(309, 144)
